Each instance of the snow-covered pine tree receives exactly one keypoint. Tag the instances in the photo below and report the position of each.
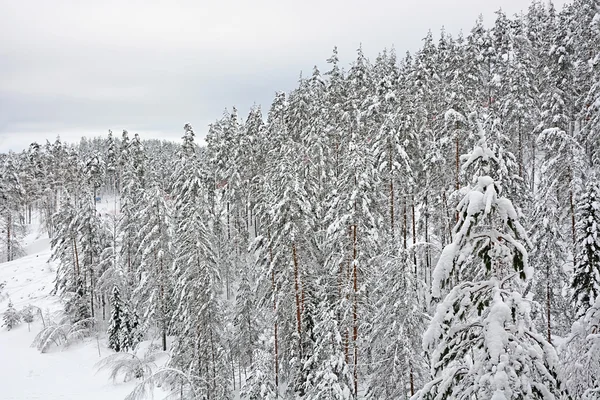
(481, 339)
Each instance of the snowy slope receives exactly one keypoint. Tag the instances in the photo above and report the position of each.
(60, 374)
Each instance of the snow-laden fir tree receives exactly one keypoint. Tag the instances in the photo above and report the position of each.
(123, 332)
(581, 356)
(259, 384)
(329, 375)
(585, 282)
(11, 218)
(116, 330)
(198, 317)
(153, 295)
(11, 317)
(27, 314)
(481, 339)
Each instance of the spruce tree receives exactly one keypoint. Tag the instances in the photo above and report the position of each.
(11, 317)
(586, 273)
(481, 339)
(116, 330)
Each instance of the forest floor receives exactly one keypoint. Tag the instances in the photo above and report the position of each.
(61, 373)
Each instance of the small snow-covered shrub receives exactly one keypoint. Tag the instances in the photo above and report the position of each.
(63, 333)
(129, 365)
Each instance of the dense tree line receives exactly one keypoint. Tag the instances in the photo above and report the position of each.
(421, 226)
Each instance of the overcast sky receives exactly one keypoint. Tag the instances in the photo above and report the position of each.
(80, 67)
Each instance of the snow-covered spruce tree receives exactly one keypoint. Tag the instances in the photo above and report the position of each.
(246, 318)
(585, 282)
(581, 355)
(27, 314)
(549, 258)
(64, 247)
(259, 384)
(112, 163)
(198, 318)
(481, 339)
(93, 235)
(123, 332)
(116, 330)
(131, 195)
(329, 375)
(11, 219)
(11, 317)
(153, 295)
(396, 345)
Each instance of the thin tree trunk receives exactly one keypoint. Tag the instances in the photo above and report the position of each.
(414, 234)
(391, 195)
(91, 272)
(405, 224)
(76, 258)
(8, 233)
(274, 288)
(572, 206)
(355, 309)
(412, 382)
(427, 261)
(520, 149)
(533, 161)
(548, 303)
(297, 293)
(214, 367)
(457, 160)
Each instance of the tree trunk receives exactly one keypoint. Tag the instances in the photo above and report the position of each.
(533, 166)
(457, 159)
(548, 303)
(427, 261)
(414, 234)
(355, 310)
(391, 194)
(405, 224)
(520, 149)
(76, 258)
(274, 289)
(412, 382)
(8, 238)
(92, 283)
(297, 294)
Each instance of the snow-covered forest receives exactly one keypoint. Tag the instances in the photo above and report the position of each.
(421, 226)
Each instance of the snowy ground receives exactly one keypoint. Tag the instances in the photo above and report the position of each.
(60, 374)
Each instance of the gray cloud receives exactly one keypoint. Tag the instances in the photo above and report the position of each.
(81, 67)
